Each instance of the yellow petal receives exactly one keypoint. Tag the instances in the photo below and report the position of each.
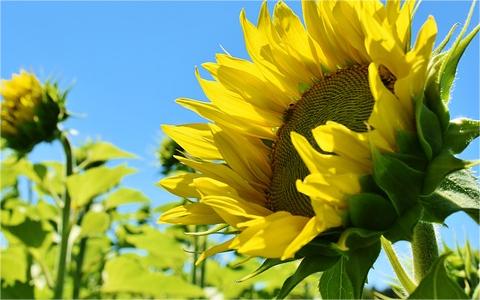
(232, 104)
(226, 175)
(191, 214)
(211, 112)
(308, 233)
(388, 115)
(196, 139)
(181, 185)
(235, 210)
(337, 138)
(210, 187)
(271, 238)
(223, 247)
(248, 157)
(324, 163)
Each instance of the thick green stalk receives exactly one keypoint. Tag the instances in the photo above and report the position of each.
(77, 277)
(65, 226)
(195, 257)
(424, 249)
(203, 268)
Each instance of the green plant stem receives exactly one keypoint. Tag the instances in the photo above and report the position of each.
(424, 249)
(77, 277)
(195, 257)
(203, 268)
(65, 226)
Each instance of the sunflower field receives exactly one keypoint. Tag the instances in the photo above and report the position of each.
(333, 153)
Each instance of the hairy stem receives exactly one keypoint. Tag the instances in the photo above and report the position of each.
(424, 248)
(65, 226)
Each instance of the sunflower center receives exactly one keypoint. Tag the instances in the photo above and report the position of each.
(343, 97)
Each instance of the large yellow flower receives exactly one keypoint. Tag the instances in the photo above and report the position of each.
(293, 130)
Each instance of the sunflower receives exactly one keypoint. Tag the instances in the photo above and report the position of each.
(30, 111)
(301, 136)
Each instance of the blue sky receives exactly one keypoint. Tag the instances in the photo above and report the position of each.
(129, 61)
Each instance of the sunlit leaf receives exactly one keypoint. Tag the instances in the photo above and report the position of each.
(126, 274)
(95, 223)
(124, 196)
(83, 187)
(14, 265)
(103, 151)
(166, 252)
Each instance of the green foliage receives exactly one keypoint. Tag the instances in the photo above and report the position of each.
(437, 284)
(308, 266)
(127, 274)
(459, 191)
(94, 224)
(93, 182)
(124, 196)
(463, 266)
(460, 133)
(93, 154)
(14, 265)
(166, 156)
(365, 205)
(347, 277)
(428, 129)
(335, 283)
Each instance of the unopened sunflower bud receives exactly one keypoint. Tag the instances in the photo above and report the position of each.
(30, 111)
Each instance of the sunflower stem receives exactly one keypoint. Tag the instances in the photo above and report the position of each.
(203, 268)
(65, 226)
(195, 257)
(424, 249)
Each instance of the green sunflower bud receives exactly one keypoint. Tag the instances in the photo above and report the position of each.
(30, 111)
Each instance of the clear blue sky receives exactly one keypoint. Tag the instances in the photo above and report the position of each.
(131, 60)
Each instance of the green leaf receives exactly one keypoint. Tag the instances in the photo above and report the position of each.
(14, 265)
(93, 182)
(308, 266)
(95, 224)
(437, 285)
(347, 278)
(359, 264)
(449, 66)
(402, 229)
(30, 232)
(266, 265)
(442, 165)
(164, 250)
(354, 238)
(335, 283)
(8, 173)
(458, 191)
(127, 274)
(370, 211)
(460, 133)
(124, 196)
(397, 180)
(103, 151)
(17, 291)
(429, 129)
